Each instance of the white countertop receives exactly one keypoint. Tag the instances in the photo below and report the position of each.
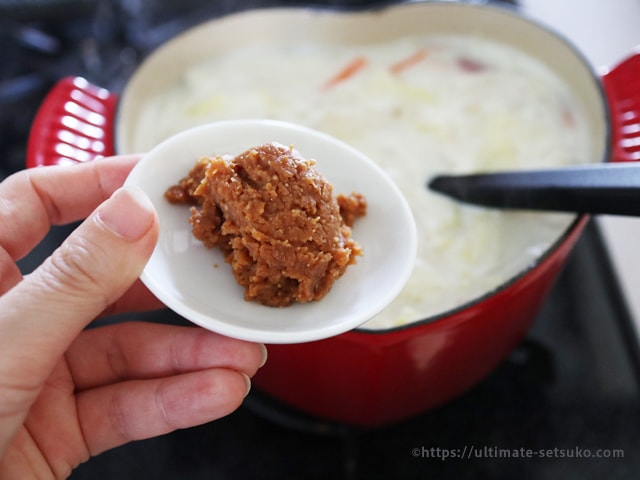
(606, 31)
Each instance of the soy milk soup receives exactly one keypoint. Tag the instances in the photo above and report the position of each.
(418, 106)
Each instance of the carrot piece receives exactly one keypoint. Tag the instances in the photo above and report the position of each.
(408, 62)
(347, 72)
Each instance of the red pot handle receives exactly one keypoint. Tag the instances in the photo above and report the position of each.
(75, 123)
(622, 87)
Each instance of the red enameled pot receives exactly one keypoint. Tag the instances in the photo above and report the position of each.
(363, 377)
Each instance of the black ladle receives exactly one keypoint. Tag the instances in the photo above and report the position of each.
(608, 188)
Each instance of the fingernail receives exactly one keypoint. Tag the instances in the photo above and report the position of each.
(128, 213)
(248, 380)
(265, 355)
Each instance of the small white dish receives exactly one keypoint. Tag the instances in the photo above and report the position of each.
(196, 283)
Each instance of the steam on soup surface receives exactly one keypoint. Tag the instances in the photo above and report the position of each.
(418, 106)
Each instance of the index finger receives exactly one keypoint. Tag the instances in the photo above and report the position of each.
(33, 200)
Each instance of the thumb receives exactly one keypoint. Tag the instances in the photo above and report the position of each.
(97, 263)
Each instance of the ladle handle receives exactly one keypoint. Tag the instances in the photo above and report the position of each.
(612, 188)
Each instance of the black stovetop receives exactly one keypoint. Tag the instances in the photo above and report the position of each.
(567, 397)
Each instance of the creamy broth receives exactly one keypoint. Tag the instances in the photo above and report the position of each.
(417, 106)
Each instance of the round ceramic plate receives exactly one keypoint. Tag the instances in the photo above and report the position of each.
(195, 281)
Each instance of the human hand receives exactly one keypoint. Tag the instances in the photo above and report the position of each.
(67, 393)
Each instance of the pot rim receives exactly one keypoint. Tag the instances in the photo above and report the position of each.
(380, 8)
